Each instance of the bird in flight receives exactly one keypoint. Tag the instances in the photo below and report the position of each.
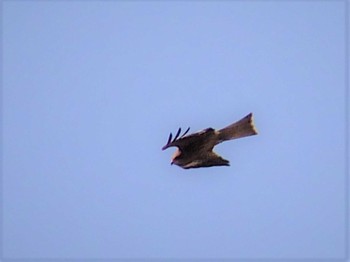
(196, 150)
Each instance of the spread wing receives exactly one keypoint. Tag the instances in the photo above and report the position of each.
(192, 142)
(210, 159)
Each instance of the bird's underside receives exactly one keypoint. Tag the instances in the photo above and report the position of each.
(196, 150)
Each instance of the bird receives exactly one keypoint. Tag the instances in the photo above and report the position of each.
(196, 150)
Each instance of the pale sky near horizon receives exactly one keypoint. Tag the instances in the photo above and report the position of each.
(91, 91)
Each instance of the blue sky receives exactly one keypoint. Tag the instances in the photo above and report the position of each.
(92, 89)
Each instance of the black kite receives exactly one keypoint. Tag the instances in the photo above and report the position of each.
(196, 150)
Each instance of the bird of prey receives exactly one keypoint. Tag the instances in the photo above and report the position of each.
(196, 150)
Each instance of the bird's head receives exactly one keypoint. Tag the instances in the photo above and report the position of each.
(174, 158)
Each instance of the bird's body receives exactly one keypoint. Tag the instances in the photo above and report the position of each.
(196, 150)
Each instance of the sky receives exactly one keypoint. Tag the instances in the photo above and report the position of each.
(91, 91)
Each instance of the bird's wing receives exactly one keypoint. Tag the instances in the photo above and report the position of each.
(190, 142)
(208, 160)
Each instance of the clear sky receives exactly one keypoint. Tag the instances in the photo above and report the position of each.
(91, 91)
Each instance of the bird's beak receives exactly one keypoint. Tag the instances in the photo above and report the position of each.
(172, 162)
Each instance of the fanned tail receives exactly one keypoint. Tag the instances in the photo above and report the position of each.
(242, 128)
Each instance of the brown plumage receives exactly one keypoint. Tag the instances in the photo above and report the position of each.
(196, 150)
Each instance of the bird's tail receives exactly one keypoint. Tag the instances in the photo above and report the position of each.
(242, 128)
